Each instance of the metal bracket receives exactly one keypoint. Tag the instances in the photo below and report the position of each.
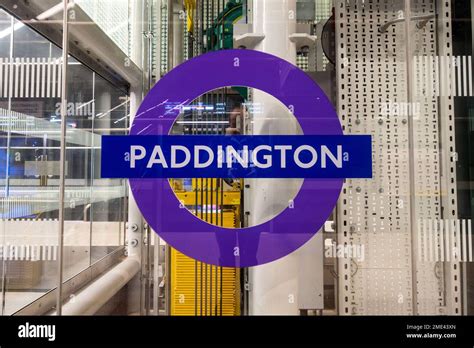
(248, 40)
(330, 226)
(148, 34)
(303, 40)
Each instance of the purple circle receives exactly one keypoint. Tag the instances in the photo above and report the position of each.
(240, 247)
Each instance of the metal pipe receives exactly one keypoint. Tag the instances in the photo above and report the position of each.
(84, 214)
(7, 167)
(146, 271)
(196, 197)
(135, 220)
(92, 172)
(205, 288)
(156, 275)
(195, 286)
(210, 288)
(224, 90)
(195, 186)
(98, 293)
(411, 157)
(205, 131)
(216, 293)
(167, 279)
(201, 26)
(177, 36)
(464, 265)
(217, 223)
(200, 292)
(134, 233)
(62, 164)
(423, 20)
(170, 33)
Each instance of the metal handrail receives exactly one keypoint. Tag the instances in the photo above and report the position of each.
(423, 20)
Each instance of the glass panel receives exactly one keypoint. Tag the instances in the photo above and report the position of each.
(5, 37)
(5, 42)
(29, 163)
(108, 208)
(94, 206)
(30, 134)
(77, 228)
(401, 71)
(437, 111)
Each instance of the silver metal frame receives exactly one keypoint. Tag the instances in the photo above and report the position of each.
(88, 43)
(46, 302)
(62, 161)
(447, 137)
(393, 280)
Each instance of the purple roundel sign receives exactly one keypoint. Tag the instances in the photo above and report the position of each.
(239, 247)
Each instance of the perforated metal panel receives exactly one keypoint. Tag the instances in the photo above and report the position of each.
(164, 39)
(112, 17)
(373, 99)
(449, 157)
(323, 10)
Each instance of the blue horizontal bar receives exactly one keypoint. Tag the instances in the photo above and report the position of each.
(259, 156)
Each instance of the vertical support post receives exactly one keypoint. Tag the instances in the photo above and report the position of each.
(134, 232)
(465, 265)
(171, 25)
(62, 165)
(411, 151)
(156, 274)
(452, 273)
(157, 5)
(278, 279)
(177, 33)
(175, 42)
(7, 166)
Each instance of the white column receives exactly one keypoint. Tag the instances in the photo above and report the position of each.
(276, 19)
(274, 286)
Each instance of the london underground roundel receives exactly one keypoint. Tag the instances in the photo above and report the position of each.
(323, 156)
